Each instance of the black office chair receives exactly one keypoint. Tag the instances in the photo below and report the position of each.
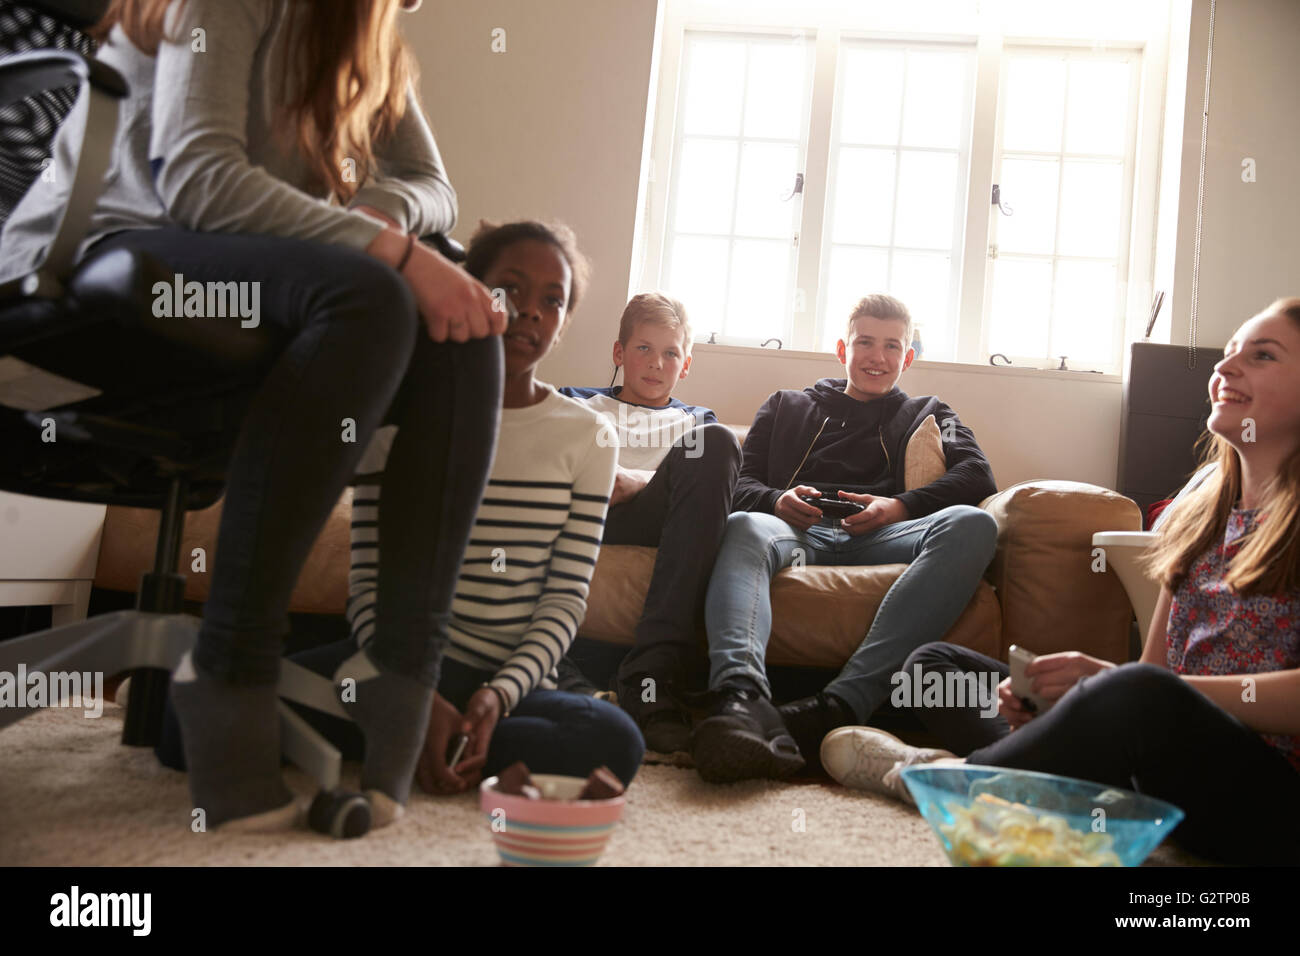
(157, 432)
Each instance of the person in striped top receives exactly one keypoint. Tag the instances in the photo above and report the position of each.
(522, 590)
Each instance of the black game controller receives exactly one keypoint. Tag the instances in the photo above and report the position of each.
(833, 507)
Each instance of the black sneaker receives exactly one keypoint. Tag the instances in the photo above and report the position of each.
(568, 677)
(661, 721)
(666, 732)
(810, 719)
(743, 738)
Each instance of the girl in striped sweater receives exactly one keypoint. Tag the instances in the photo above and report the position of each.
(522, 590)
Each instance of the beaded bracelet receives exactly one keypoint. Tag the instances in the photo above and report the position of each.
(501, 698)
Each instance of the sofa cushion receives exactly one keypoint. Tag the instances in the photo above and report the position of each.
(819, 614)
(127, 549)
(1051, 598)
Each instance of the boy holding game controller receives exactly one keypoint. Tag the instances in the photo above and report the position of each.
(677, 467)
(823, 483)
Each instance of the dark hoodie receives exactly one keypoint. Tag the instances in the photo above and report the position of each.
(860, 449)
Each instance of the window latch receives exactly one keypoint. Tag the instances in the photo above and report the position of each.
(1003, 207)
(796, 189)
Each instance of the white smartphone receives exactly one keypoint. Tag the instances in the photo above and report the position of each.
(456, 749)
(1018, 658)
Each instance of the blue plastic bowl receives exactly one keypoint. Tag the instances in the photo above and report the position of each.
(1114, 824)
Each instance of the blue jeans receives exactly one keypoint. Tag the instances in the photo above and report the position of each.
(947, 553)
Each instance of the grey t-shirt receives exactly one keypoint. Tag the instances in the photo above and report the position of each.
(199, 144)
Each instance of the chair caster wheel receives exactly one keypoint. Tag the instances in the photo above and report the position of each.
(339, 813)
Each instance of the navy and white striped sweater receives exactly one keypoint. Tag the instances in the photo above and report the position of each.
(522, 591)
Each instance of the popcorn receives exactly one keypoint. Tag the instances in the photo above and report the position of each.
(997, 832)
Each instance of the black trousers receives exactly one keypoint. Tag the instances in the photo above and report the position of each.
(683, 512)
(355, 355)
(1143, 728)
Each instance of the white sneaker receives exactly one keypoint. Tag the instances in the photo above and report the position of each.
(868, 759)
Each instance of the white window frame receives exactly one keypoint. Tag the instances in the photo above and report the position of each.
(826, 33)
(668, 213)
(1073, 52)
(825, 241)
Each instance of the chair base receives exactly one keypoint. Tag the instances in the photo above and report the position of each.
(106, 645)
(150, 646)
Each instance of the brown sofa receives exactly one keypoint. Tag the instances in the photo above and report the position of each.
(1040, 590)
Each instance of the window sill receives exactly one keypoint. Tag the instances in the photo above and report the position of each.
(749, 351)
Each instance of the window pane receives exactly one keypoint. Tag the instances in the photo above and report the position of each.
(935, 99)
(864, 196)
(921, 282)
(705, 186)
(698, 278)
(759, 297)
(927, 199)
(774, 100)
(766, 175)
(1035, 98)
(1029, 188)
(1022, 299)
(1091, 196)
(1097, 115)
(1083, 327)
(714, 87)
(853, 273)
(872, 96)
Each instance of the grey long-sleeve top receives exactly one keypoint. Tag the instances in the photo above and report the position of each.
(200, 145)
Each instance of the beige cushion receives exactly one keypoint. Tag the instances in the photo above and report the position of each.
(819, 614)
(127, 550)
(1051, 598)
(618, 590)
(923, 461)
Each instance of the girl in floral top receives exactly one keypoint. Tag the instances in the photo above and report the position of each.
(1209, 719)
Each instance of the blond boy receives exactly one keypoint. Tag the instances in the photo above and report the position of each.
(676, 471)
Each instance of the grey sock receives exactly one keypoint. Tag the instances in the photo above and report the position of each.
(232, 745)
(393, 713)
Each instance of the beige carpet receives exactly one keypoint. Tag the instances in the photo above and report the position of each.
(70, 794)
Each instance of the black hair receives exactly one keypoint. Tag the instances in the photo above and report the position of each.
(490, 239)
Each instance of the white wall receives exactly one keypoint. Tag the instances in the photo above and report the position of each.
(550, 129)
(556, 126)
(1250, 246)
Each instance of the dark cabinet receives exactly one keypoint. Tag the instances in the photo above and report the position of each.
(1166, 403)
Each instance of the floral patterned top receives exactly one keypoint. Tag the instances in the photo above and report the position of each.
(1213, 630)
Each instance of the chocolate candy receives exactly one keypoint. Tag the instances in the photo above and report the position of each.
(601, 785)
(515, 778)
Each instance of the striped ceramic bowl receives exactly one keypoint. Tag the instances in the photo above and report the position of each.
(558, 830)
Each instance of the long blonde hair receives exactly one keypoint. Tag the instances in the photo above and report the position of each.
(1268, 561)
(344, 87)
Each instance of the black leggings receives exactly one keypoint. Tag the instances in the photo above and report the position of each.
(355, 355)
(1144, 728)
